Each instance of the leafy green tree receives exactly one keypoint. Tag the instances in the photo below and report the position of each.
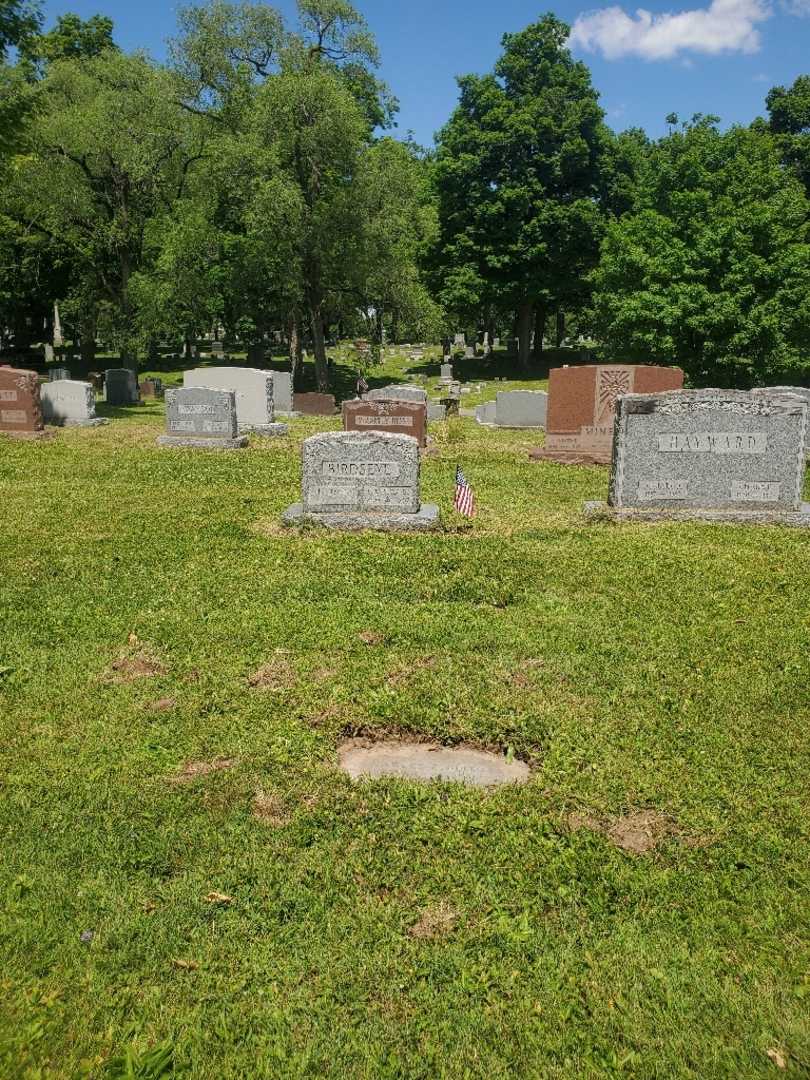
(789, 110)
(72, 38)
(712, 272)
(518, 179)
(18, 20)
(111, 151)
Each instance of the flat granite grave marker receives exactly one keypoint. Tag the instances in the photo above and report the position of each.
(396, 417)
(581, 407)
(356, 480)
(254, 391)
(718, 455)
(70, 403)
(121, 387)
(203, 418)
(20, 403)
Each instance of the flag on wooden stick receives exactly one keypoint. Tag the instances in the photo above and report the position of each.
(465, 499)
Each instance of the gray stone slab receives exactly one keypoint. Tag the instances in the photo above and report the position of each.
(521, 408)
(446, 372)
(398, 393)
(800, 391)
(436, 411)
(253, 390)
(199, 415)
(428, 761)
(204, 443)
(485, 414)
(120, 387)
(69, 403)
(718, 450)
(282, 392)
(796, 519)
(426, 518)
(360, 471)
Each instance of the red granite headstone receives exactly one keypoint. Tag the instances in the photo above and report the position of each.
(394, 417)
(582, 407)
(20, 408)
(314, 404)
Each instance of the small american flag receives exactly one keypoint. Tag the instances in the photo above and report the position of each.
(465, 500)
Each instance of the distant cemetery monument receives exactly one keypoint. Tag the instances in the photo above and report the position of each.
(20, 403)
(581, 407)
(719, 455)
(356, 480)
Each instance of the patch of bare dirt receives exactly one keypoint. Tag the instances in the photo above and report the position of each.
(435, 921)
(164, 704)
(371, 637)
(403, 674)
(276, 674)
(323, 674)
(194, 769)
(638, 832)
(318, 719)
(139, 663)
(269, 809)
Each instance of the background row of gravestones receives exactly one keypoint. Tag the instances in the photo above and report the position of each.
(664, 456)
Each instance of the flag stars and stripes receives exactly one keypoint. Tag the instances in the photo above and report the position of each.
(465, 499)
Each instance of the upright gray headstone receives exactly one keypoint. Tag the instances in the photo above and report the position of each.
(361, 480)
(202, 417)
(436, 410)
(398, 393)
(282, 392)
(254, 392)
(446, 373)
(521, 408)
(120, 386)
(69, 403)
(800, 391)
(469, 353)
(719, 454)
(485, 414)
(58, 373)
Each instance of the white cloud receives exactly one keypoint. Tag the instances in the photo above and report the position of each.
(801, 8)
(724, 26)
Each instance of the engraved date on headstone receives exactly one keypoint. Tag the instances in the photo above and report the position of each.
(12, 416)
(755, 490)
(663, 489)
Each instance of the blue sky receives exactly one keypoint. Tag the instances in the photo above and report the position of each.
(716, 57)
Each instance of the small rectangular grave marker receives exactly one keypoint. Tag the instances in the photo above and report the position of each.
(314, 404)
(70, 403)
(120, 387)
(396, 417)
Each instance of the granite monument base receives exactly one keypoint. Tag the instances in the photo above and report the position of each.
(425, 519)
(274, 430)
(796, 518)
(202, 442)
(570, 457)
(93, 421)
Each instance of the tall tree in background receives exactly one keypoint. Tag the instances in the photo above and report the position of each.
(789, 110)
(518, 179)
(712, 271)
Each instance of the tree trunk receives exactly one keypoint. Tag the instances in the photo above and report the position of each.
(560, 327)
(539, 327)
(319, 347)
(296, 355)
(524, 333)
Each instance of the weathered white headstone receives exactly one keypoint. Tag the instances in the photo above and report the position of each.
(398, 393)
(203, 418)
(69, 403)
(361, 480)
(254, 392)
(726, 455)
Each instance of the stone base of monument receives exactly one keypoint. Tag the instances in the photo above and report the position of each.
(28, 436)
(267, 430)
(202, 443)
(570, 457)
(600, 511)
(96, 421)
(426, 518)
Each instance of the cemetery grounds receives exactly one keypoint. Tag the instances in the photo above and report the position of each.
(191, 888)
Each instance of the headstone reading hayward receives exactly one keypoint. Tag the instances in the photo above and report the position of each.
(361, 480)
(69, 403)
(203, 418)
(398, 393)
(397, 417)
(800, 391)
(20, 405)
(314, 404)
(581, 407)
(521, 408)
(254, 395)
(120, 387)
(726, 455)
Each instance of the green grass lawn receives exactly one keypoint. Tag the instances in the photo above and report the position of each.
(256, 914)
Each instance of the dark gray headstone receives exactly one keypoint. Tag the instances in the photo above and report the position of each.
(202, 417)
(120, 386)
